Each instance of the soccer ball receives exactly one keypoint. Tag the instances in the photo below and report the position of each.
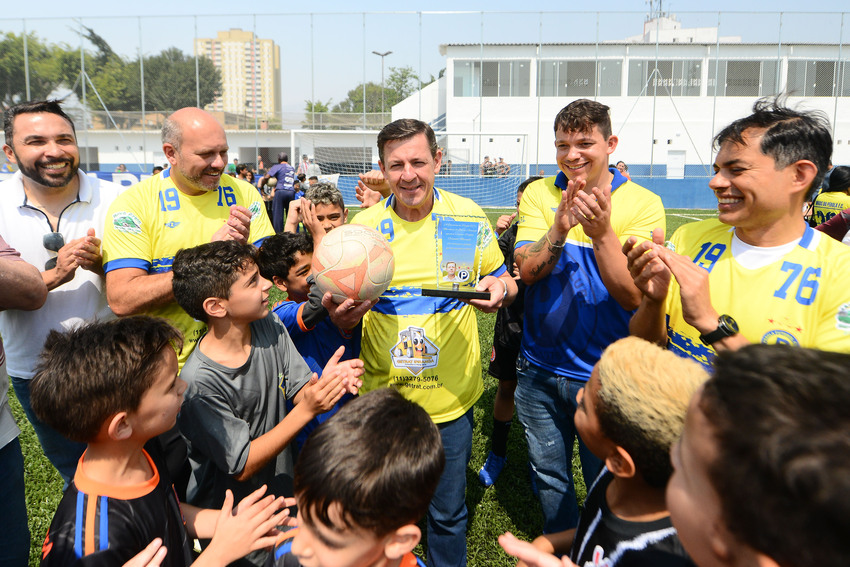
(271, 181)
(353, 261)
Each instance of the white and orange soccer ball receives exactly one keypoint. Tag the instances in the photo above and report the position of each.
(353, 261)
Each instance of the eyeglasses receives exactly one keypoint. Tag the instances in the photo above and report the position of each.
(52, 241)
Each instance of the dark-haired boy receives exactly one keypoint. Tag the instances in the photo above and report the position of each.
(758, 272)
(114, 385)
(285, 260)
(580, 294)
(762, 471)
(240, 376)
(629, 414)
(362, 482)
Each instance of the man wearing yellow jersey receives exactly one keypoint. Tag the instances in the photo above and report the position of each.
(442, 370)
(757, 273)
(188, 204)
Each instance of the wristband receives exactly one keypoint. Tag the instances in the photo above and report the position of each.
(555, 246)
(504, 283)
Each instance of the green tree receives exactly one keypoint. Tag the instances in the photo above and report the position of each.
(401, 83)
(317, 106)
(43, 60)
(353, 102)
(170, 80)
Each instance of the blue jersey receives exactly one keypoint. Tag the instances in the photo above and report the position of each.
(316, 346)
(569, 315)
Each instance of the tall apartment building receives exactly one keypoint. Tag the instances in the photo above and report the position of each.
(250, 73)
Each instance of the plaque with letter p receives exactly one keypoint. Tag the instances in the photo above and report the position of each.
(460, 245)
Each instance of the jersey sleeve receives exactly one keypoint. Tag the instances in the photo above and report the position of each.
(126, 238)
(644, 214)
(208, 423)
(833, 332)
(532, 223)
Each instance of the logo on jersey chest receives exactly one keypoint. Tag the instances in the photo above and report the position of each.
(414, 351)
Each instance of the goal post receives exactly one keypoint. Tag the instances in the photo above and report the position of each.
(486, 168)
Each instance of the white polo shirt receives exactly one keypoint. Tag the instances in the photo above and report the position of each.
(70, 304)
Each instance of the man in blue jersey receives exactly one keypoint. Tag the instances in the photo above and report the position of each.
(284, 192)
(579, 296)
(757, 273)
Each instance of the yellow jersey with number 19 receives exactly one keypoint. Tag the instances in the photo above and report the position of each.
(800, 298)
(426, 347)
(148, 223)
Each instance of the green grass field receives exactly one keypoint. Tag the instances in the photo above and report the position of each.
(507, 506)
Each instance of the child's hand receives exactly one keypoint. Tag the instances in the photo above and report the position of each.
(248, 527)
(151, 556)
(351, 370)
(529, 555)
(321, 395)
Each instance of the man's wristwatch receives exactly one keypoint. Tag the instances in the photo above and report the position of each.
(726, 327)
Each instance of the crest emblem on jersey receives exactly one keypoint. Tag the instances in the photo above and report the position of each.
(125, 221)
(842, 318)
(414, 351)
(254, 208)
(779, 337)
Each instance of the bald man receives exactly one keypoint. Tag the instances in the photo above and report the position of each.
(190, 203)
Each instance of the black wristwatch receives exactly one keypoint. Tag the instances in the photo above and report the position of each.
(726, 327)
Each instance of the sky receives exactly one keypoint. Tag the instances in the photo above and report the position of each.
(326, 54)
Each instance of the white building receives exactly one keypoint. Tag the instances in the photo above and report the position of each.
(670, 90)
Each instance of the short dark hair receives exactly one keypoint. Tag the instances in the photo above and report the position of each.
(402, 130)
(88, 374)
(32, 107)
(582, 115)
(839, 180)
(277, 254)
(282, 157)
(790, 135)
(779, 415)
(208, 270)
(528, 182)
(379, 459)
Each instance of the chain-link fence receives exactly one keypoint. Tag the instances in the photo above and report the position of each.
(671, 80)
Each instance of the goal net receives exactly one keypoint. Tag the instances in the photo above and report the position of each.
(486, 168)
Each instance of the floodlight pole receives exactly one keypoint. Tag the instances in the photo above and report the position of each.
(381, 55)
